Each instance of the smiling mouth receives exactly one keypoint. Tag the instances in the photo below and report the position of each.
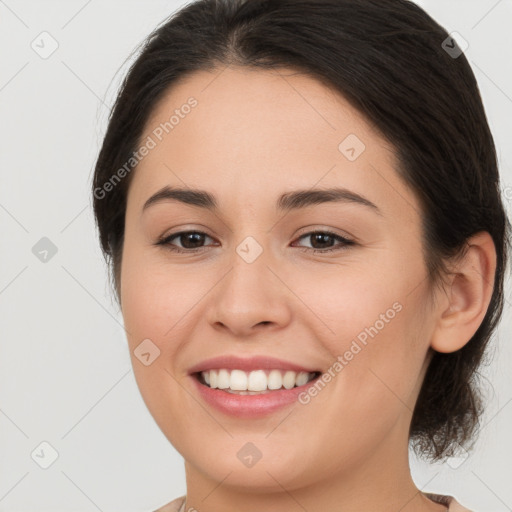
(255, 382)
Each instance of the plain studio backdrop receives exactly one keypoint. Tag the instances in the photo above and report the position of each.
(75, 433)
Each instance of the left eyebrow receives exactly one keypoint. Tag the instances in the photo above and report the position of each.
(303, 198)
(287, 201)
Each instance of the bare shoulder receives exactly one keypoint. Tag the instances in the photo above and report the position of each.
(173, 506)
(453, 504)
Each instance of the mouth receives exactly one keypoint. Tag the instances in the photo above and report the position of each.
(252, 387)
(255, 382)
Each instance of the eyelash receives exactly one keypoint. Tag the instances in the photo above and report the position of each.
(165, 241)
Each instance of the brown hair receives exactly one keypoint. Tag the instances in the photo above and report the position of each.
(390, 59)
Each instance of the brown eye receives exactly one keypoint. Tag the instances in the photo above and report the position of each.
(188, 241)
(191, 240)
(322, 241)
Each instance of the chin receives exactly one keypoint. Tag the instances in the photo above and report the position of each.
(265, 475)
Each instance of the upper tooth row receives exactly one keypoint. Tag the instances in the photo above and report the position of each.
(257, 380)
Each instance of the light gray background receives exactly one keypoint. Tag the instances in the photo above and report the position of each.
(65, 372)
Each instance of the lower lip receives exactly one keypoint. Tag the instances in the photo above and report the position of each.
(250, 406)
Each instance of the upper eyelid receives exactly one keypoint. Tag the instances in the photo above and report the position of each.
(307, 230)
(331, 231)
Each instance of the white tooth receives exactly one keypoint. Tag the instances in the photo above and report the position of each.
(275, 380)
(302, 378)
(257, 381)
(213, 378)
(289, 380)
(223, 379)
(238, 380)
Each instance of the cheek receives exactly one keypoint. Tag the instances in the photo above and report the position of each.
(155, 298)
(150, 309)
(343, 301)
(368, 321)
(153, 303)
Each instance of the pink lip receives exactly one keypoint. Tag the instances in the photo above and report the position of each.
(248, 364)
(249, 406)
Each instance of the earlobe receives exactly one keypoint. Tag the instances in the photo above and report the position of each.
(469, 294)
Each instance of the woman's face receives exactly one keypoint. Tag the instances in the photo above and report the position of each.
(255, 281)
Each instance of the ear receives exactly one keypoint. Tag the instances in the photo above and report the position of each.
(467, 296)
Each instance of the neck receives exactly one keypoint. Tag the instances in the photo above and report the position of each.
(380, 482)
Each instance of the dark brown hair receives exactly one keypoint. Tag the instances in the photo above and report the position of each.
(403, 73)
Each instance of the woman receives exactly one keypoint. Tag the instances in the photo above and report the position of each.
(300, 204)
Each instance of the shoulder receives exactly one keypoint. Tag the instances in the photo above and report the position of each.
(453, 504)
(172, 506)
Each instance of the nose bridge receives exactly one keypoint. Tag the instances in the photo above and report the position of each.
(249, 294)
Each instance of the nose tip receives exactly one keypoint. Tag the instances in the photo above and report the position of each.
(242, 325)
(248, 299)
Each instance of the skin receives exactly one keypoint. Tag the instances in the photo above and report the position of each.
(253, 136)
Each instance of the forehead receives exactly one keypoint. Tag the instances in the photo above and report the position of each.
(241, 131)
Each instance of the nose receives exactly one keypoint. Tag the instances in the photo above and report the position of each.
(250, 297)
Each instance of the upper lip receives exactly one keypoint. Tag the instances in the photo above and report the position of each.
(247, 364)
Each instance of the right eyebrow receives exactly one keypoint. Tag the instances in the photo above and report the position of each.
(193, 197)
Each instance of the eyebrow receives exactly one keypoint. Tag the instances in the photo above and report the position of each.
(288, 201)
